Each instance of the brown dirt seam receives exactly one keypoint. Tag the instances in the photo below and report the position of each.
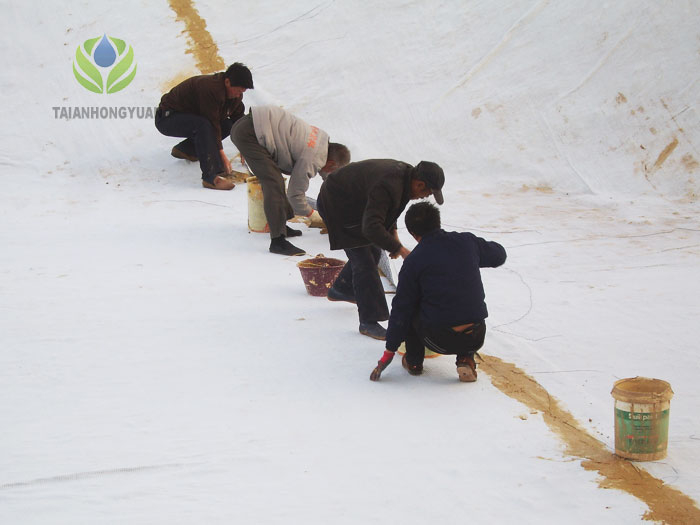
(201, 44)
(666, 504)
(666, 152)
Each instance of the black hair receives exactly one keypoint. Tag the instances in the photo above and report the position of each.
(239, 75)
(338, 153)
(422, 218)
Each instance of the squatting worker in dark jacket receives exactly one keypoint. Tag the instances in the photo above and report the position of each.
(439, 301)
(273, 142)
(360, 204)
(202, 109)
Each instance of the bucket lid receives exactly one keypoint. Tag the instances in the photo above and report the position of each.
(642, 390)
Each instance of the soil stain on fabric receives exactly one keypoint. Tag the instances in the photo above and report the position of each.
(201, 43)
(666, 504)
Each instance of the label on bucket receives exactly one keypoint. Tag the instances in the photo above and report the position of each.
(641, 432)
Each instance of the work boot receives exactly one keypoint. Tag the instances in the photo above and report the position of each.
(293, 233)
(219, 183)
(335, 295)
(282, 246)
(414, 370)
(466, 368)
(373, 330)
(179, 154)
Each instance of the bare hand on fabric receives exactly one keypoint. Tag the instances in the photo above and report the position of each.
(313, 220)
(224, 159)
(401, 252)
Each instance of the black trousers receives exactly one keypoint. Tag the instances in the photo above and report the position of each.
(200, 138)
(360, 277)
(442, 340)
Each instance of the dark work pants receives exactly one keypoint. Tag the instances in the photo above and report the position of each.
(277, 208)
(360, 277)
(200, 139)
(442, 340)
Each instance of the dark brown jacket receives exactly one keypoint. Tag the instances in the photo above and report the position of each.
(361, 202)
(204, 95)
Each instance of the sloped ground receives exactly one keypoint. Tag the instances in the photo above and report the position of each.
(159, 365)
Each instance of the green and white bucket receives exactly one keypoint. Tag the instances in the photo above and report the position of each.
(642, 407)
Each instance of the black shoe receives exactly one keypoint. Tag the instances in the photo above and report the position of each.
(179, 154)
(282, 246)
(414, 370)
(293, 233)
(373, 330)
(335, 295)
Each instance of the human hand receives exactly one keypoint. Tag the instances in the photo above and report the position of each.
(312, 220)
(381, 365)
(401, 252)
(226, 162)
(315, 220)
(236, 160)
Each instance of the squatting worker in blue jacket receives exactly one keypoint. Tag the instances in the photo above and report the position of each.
(439, 300)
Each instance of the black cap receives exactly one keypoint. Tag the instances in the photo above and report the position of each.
(433, 176)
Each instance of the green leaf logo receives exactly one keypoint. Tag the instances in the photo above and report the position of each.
(104, 56)
(114, 83)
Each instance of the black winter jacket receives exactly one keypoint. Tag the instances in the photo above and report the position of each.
(361, 202)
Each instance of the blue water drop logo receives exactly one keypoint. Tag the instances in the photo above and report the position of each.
(105, 55)
(101, 57)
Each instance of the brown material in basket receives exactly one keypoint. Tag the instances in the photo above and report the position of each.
(319, 273)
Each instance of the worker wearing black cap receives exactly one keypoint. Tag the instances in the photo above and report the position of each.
(360, 204)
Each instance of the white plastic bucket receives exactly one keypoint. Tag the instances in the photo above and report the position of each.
(257, 221)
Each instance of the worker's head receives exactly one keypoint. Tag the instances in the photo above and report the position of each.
(338, 156)
(237, 79)
(427, 179)
(421, 219)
